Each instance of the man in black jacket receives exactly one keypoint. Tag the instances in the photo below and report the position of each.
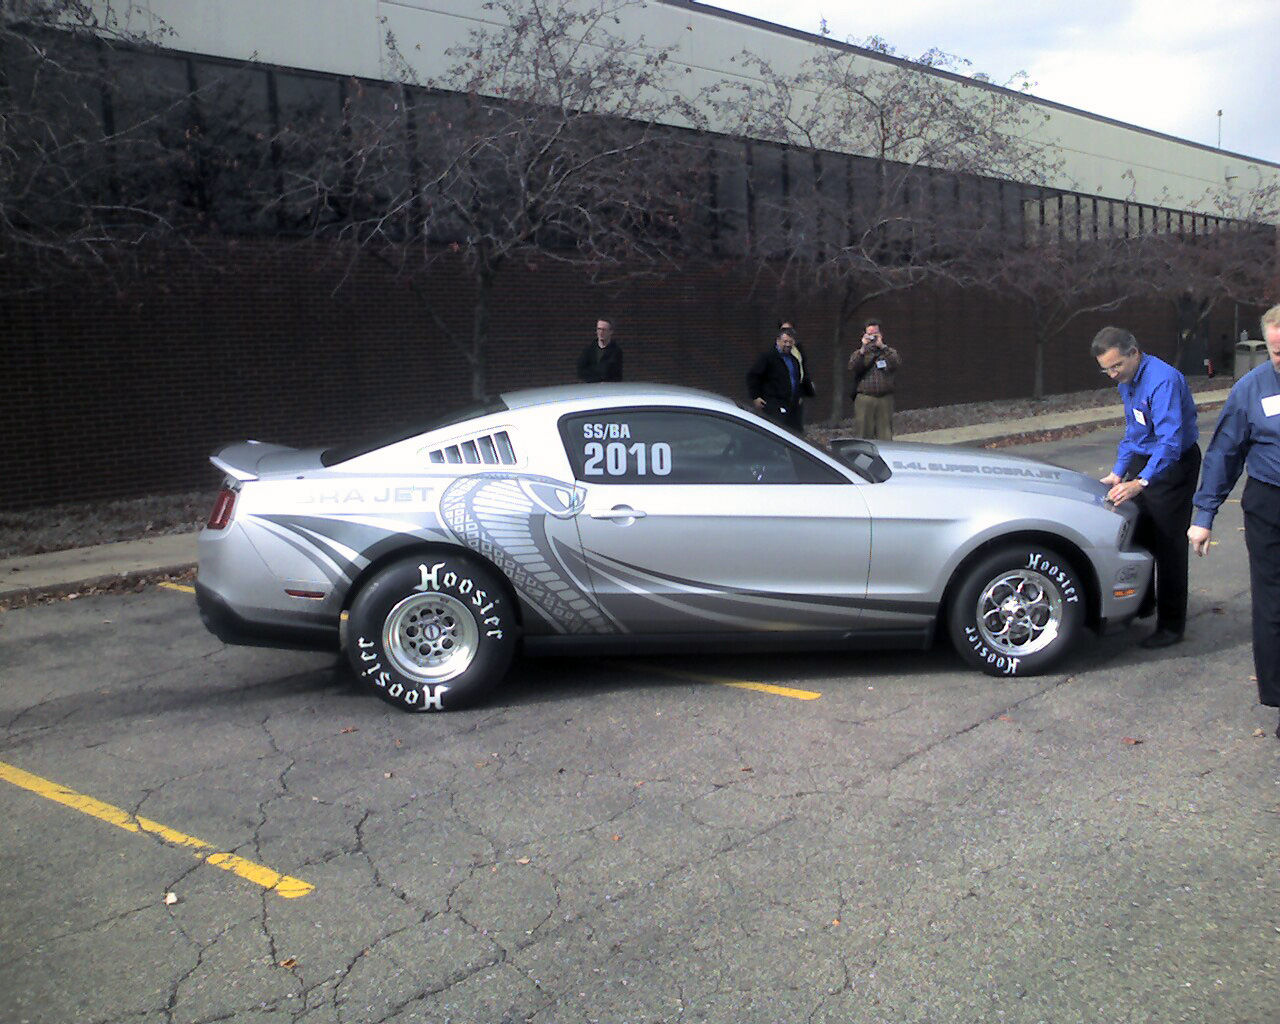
(601, 360)
(776, 383)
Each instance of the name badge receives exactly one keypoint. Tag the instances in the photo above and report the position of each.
(1271, 405)
(1137, 415)
(881, 364)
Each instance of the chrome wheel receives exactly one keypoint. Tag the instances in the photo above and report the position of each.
(1019, 612)
(430, 637)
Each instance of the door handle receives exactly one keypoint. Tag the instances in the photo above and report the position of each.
(617, 512)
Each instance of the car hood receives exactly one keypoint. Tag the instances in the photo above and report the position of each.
(988, 470)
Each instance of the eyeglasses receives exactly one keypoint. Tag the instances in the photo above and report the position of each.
(1114, 368)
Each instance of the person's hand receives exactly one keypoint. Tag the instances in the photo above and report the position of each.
(1122, 492)
(1198, 538)
(758, 403)
(1109, 479)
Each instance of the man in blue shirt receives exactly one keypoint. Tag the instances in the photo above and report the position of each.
(1156, 465)
(1248, 437)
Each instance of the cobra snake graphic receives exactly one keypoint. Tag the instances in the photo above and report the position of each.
(502, 516)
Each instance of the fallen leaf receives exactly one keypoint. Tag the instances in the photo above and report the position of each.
(1259, 732)
(291, 963)
(1005, 718)
(524, 860)
(386, 775)
(617, 839)
(745, 769)
(350, 728)
(1131, 741)
(170, 898)
(835, 923)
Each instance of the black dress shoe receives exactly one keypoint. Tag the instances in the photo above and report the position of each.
(1161, 638)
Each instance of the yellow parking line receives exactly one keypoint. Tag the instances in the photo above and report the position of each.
(179, 586)
(698, 677)
(283, 885)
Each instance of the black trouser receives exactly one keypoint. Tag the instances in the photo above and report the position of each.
(1165, 507)
(786, 414)
(1261, 504)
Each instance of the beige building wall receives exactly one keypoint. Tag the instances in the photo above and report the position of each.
(1101, 157)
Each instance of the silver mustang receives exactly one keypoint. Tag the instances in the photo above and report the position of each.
(590, 518)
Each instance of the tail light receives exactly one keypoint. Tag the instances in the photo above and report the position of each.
(220, 517)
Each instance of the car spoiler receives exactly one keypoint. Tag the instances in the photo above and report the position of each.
(243, 460)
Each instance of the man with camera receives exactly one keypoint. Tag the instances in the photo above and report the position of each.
(874, 366)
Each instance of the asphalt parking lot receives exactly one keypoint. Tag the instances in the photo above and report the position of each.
(200, 833)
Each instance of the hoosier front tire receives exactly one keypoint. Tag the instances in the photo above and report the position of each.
(432, 633)
(1017, 611)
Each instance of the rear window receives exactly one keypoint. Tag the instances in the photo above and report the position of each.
(342, 453)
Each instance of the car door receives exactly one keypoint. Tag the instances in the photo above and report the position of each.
(696, 521)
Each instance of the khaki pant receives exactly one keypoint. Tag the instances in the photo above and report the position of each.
(873, 417)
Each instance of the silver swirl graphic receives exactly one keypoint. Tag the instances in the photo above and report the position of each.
(503, 517)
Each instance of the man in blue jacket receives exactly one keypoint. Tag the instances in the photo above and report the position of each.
(1157, 462)
(1247, 437)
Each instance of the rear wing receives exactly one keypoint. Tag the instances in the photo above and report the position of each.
(243, 460)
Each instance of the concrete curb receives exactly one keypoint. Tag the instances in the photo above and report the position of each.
(32, 577)
(23, 596)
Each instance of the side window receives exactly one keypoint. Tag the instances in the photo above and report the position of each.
(672, 446)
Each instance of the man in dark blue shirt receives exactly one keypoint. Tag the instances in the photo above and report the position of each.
(1156, 465)
(1248, 437)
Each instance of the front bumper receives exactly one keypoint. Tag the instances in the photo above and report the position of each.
(1131, 570)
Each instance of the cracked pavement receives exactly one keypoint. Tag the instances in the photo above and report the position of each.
(921, 844)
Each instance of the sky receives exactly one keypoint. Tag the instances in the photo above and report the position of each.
(1166, 65)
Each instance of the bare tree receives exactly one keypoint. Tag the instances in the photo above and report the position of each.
(74, 143)
(1080, 254)
(1225, 251)
(548, 138)
(109, 150)
(898, 171)
(1060, 278)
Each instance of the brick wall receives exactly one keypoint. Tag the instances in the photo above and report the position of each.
(116, 393)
